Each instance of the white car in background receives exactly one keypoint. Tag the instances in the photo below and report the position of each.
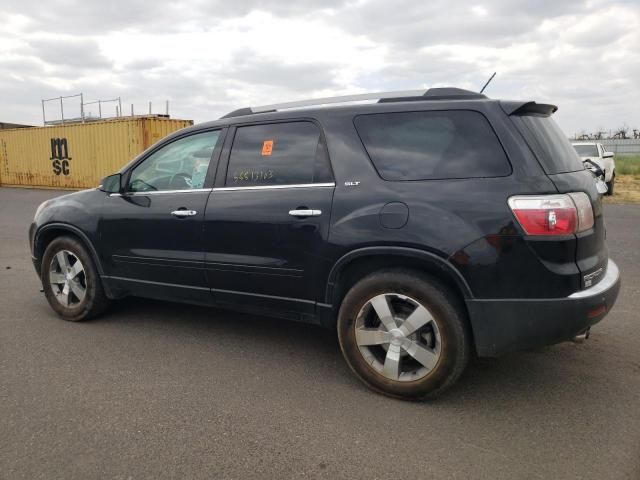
(596, 153)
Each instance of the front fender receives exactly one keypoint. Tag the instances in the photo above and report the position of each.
(77, 213)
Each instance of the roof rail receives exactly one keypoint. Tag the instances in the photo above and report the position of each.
(382, 97)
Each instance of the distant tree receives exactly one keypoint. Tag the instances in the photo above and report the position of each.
(582, 135)
(621, 133)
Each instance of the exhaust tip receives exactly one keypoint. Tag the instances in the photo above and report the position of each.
(582, 337)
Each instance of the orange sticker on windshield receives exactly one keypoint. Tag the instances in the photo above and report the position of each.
(267, 147)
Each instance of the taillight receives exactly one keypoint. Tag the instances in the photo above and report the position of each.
(563, 214)
(585, 212)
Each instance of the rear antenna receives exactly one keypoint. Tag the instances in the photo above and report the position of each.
(488, 81)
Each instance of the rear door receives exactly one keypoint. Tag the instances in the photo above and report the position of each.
(267, 221)
(564, 167)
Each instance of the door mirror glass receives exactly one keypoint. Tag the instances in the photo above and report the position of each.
(607, 155)
(112, 183)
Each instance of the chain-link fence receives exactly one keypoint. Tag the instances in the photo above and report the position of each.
(621, 147)
(628, 146)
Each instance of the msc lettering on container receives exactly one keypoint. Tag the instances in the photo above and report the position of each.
(60, 156)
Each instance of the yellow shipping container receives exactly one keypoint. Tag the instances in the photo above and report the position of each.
(77, 155)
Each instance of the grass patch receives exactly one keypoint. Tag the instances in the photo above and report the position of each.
(626, 190)
(627, 165)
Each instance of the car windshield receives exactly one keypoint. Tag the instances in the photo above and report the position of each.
(587, 150)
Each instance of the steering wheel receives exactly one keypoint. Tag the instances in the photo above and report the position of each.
(148, 186)
(186, 178)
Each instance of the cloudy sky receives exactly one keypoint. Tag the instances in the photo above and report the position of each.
(208, 57)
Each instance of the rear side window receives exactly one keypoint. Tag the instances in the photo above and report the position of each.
(278, 154)
(549, 143)
(432, 145)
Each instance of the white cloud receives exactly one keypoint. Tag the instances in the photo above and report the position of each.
(212, 57)
(479, 10)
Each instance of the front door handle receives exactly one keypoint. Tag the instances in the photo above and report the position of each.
(183, 213)
(305, 213)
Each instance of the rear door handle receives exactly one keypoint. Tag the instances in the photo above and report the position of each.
(184, 213)
(305, 213)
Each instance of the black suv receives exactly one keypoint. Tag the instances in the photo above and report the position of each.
(425, 228)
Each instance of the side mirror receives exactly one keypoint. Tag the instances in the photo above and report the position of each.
(607, 154)
(112, 183)
(594, 168)
(597, 172)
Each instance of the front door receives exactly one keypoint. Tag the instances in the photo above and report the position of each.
(151, 235)
(267, 221)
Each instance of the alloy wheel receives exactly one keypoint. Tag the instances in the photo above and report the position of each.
(67, 278)
(398, 337)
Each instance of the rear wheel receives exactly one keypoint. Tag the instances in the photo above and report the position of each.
(404, 334)
(611, 183)
(71, 282)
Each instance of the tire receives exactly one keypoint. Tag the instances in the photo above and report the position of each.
(445, 337)
(61, 273)
(610, 184)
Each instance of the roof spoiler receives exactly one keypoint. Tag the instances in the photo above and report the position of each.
(528, 108)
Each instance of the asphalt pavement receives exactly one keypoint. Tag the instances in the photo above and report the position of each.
(161, 390)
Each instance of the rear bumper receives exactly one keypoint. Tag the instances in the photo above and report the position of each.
(504, 325)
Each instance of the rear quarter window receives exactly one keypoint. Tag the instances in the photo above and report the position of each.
(549, 143)
(432, 145)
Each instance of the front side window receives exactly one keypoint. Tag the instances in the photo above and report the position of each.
(277, 154)
(432, 145)
(180, 165)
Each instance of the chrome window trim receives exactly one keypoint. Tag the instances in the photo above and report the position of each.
(275, 187)
(226, 189)
(160, 192)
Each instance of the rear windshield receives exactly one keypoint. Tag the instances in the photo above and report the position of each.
(549, 143)
(586, 150)
(432, 145)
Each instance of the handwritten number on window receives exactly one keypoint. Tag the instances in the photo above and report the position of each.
(252, 175)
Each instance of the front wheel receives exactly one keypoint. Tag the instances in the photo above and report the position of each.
(611, 183)
(404, 334)
(70, 280)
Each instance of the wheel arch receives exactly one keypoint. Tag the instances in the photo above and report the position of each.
(47, 233)
(357, 263)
